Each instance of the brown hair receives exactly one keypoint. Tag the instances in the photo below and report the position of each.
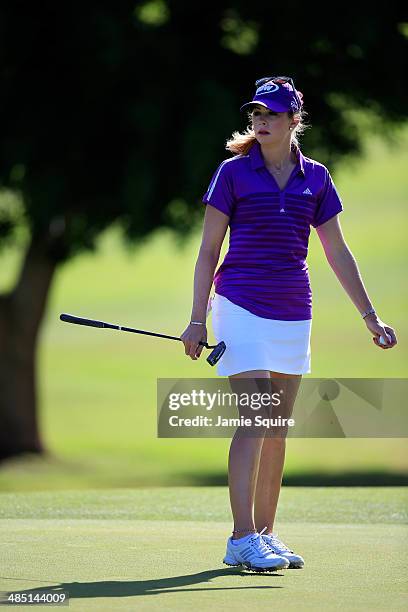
(241, 142)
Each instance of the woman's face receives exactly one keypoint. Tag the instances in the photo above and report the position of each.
(270, 127)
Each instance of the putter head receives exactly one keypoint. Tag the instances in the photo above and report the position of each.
(217, 353)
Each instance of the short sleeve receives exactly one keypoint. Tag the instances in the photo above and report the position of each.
(329, 202)
(220, 190)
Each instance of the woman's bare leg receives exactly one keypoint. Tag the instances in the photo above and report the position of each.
(243, 462)
(271, 462)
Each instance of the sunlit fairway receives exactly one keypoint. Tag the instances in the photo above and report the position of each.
(155, 549)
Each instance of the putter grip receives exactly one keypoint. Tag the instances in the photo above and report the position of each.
(80, 321)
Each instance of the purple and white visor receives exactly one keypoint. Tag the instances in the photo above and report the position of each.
(277, 97)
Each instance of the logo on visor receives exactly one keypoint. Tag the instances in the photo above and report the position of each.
(270, 87)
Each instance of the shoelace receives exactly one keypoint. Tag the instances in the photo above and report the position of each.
(277, 544)
(260, 543)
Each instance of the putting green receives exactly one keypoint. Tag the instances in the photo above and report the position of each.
(109, 553)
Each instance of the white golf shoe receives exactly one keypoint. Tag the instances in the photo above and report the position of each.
(254, 554)
(278, 547)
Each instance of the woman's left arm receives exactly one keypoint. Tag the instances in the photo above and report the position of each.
(346, 269)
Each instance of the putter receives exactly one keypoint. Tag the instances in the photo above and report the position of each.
(212, 358)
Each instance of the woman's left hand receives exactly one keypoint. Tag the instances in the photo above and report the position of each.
(377, 327)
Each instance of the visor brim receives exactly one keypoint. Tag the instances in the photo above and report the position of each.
(273, 106)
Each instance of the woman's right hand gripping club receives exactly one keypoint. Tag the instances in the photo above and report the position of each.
(192, 335)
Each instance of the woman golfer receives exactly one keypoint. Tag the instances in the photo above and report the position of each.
(269, 194)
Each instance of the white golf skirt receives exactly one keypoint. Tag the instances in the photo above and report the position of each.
(257, 343)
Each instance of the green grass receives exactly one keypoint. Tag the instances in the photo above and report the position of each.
(155, 549)
(334, 505)
(97, 388)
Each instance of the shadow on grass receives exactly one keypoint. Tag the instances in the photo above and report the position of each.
(132, 588)
(314, 479)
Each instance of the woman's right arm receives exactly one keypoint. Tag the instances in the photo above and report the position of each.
(214, 230)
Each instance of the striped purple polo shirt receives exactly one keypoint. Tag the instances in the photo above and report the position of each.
(265, 269)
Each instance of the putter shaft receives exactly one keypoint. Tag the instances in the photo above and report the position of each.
(68, 318)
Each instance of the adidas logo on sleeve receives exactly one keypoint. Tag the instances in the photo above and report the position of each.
(307, 191)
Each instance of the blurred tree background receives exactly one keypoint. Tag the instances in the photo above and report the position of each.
(116, 114)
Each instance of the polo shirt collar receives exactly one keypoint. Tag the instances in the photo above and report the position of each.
(257, 161)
